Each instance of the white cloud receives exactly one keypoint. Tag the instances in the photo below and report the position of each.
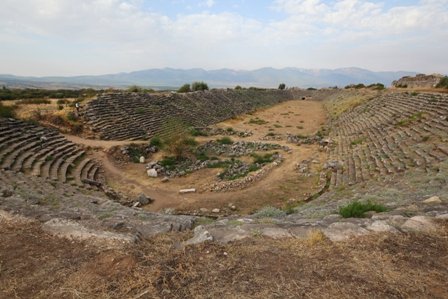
(208, 3)
(99, 36)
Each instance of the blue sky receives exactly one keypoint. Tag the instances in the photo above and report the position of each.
(75, 37)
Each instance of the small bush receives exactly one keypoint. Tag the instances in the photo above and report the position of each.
(357, 209)
(71, 116)
(225, 140)
(156, 141)
(135, 88)
(168, 162)
(238, 87)
(443, 83)
(76, 129)
(282, 86)
(56, 120)
(60, 107)
(198, 86)
(7, 111)
(184, 88)
(197, 132)
(262, 159)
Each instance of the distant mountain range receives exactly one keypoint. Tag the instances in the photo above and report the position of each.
(169, 78)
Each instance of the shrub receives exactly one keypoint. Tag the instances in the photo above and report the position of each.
(71, 116)
(282, 86)
(238, 87)
(168, 162)
(56, 120)
(198, 86)
(60, 107)
(184, 88)
(197, 132)
(357, 209)
(156, 141)
(135, 88)
(262, 159)
(225, 140)
(7, 111)
(180, 146)
(76, 129)
(443, 83)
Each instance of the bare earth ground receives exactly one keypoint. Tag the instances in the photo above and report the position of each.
(281, 185)
(36, 265)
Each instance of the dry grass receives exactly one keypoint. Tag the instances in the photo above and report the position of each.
(379, 266)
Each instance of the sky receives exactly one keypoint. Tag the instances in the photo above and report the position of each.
(92, 37)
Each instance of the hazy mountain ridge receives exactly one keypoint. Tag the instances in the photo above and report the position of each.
(162, 78)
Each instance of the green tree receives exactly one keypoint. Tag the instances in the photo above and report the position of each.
(184, 88)
(282, 86)
(197, 86)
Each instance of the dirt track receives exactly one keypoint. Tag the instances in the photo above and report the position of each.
(281, 185)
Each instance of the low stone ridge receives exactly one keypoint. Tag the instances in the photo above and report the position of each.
(389, 135)
(121, 116)
(419, 81)
(38, 151)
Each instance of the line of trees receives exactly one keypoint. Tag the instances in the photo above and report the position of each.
(34, 93)
(195, 86)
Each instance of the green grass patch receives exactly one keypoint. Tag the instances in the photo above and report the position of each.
(257, 121)
(358, 209)
(262, 159)
(357, 141)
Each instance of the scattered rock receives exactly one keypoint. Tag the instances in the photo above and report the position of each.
(152, 173)
(216, 210)
(340, 231)
(165, 179)
(382, 226)
(184, 191)
(420, 224)
(142, 159)
(200, 235)
(433, 200)
(203, 210)
(144, 200)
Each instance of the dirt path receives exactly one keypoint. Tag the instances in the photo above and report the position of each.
(283, 183)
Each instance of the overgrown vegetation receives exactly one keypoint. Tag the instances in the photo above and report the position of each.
(358, 209)
(443, 83)
(7, 111)
(28, 93)
(414, 117)
(195, 86)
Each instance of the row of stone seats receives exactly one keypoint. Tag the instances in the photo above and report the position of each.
(388, 135)
(121, 116)
(38, 151)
